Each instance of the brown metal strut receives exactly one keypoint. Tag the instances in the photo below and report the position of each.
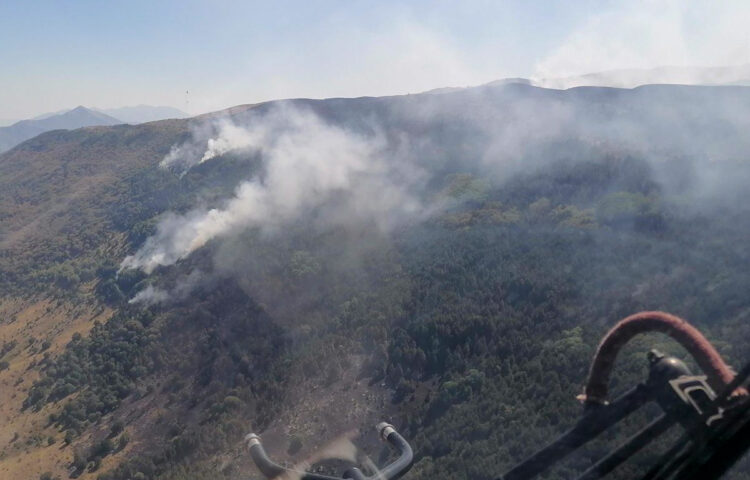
(718, 373)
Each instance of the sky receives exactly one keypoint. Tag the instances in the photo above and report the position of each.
(202, 56)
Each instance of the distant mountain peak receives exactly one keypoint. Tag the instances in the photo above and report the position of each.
(82, 116)
(78, 117)
(88, 113)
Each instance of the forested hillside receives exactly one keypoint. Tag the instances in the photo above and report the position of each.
(305, 268)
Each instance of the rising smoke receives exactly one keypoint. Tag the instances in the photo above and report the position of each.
(379, 161)
(183, 287)
(307, 163)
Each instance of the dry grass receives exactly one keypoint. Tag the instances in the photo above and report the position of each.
(24, 452)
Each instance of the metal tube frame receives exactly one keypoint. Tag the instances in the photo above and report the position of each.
(392, 471)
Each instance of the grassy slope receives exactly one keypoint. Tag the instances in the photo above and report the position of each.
(24, 435)
(51, 196)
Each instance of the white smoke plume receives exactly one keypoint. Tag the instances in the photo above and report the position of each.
(307, 163)
(231, 137)
(185, 285)
(150, 296)
(210, 140)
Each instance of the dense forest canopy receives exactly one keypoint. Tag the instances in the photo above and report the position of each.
(459, 254)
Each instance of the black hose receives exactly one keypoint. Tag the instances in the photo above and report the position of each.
(392, 471)
(404, 462)
(271, 469)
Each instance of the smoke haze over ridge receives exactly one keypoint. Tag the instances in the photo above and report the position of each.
(341, 162)
(308, 162)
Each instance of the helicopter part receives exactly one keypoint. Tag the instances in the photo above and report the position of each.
(708, 359)
(707, 454)
(687, 400)
(392, 471)
(684, 397)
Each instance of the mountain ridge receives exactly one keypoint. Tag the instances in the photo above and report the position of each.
(672, 75)
(81, 116)
(78, 117)
(628, 79)
(143, 113)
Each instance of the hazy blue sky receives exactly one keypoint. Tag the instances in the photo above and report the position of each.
(57, 54)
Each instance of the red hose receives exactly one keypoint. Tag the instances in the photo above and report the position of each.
(718, 373)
